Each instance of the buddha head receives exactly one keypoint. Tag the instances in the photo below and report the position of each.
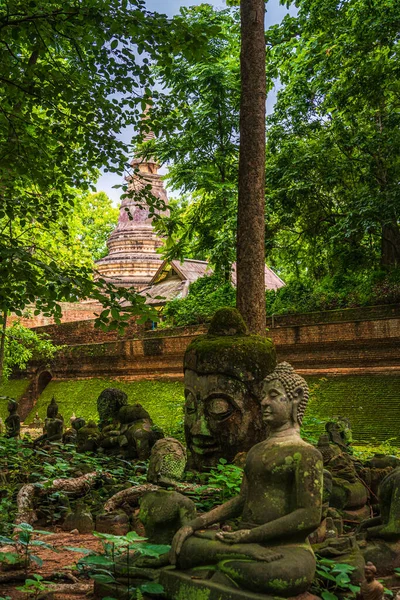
(12, 406)
(370, 572)
(339, 431)
(109, 403)
(284, 397)
(223, 370)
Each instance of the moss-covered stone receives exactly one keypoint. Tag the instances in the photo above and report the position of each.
(248, 358)
(131, 413)
(163, 513)
(109, 403)
(167, 462)
(80, 519)
(227, 321)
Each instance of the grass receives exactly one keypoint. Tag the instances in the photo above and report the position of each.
(162, 399)
(14, 388)
(370, 402)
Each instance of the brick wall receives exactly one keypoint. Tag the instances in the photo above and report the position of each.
(71, 312)
(84, 332)
(353, 347)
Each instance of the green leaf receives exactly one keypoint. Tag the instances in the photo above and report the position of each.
(152, 588)
(100, 578)
(328, 595)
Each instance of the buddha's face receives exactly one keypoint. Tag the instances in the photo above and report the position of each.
(369, 574)
(277, 409)
(222, 418)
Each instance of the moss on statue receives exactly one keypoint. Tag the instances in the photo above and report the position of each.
(227, 321)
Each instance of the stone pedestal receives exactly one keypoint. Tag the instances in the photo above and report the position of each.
(185, 586)
(182, 586)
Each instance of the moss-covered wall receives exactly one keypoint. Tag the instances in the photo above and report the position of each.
(372, 403)
(162, 399)
(14, 388)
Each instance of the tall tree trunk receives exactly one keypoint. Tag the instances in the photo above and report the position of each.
(3, 343)
(250, 295)
(390, 245)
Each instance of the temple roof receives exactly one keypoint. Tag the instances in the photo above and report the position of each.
(173, 278)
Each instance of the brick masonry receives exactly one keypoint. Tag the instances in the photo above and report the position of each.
(336, 342)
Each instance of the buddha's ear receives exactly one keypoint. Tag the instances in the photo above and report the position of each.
(297, 398)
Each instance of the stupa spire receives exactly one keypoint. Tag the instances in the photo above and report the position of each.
(133, 259)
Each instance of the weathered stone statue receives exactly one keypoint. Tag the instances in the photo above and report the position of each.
(54, 423)
(88, 437)
(223, 370)
(131, 433)
(339, 431)
(348, 492)
(71, 435)
(387, 525)
(278, 507)
(167, 462)
(163, 513)
(13, 421)
(108, 404)
(370, 588)
(37, 422)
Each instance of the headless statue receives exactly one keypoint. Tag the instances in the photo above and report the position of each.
(279, 505)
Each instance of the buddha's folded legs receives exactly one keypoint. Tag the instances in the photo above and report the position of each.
(280, 570)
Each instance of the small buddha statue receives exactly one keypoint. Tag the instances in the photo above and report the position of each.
(370, 588)
(279, 505)
(53, 425)
(223, 370)
(88, 437)
(71, 435)
(13, 421)
(37, 422)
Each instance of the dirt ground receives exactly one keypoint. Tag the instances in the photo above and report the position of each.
(58, 561)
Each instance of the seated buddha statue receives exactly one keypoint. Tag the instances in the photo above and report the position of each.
(279, 505)
(53, 425)
(13, 421)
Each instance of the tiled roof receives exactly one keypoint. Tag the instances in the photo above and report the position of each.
(173, 278)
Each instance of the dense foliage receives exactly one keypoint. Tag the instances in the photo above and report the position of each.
(333, 163)
(71, 78)
(206, 295)
(196, 121)
(332, 166)
(22, 344)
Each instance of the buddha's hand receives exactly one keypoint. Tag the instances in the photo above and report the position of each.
(233, 537)
(179, 538)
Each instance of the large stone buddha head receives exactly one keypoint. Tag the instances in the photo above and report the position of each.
(223, 370)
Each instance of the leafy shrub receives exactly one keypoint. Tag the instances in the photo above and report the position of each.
(206, 295)
(344, 290)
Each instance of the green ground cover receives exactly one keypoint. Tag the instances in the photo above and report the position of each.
(370, 402)
(162, 399)
(13, 388)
